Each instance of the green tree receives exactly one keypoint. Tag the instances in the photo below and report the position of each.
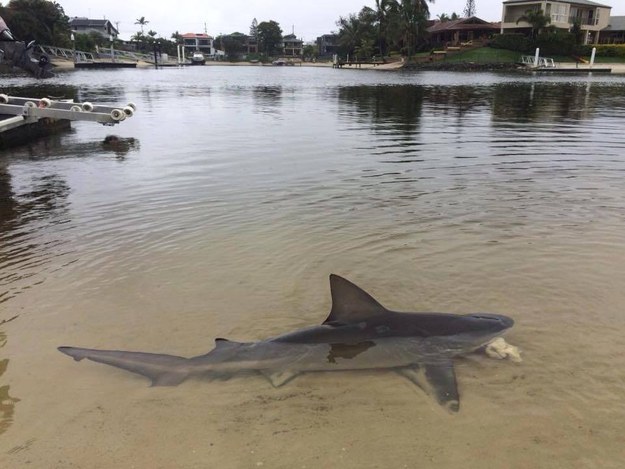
(310, 51)
(176, 38)
(364, 50)
(576, 31)
(354, 30)
(142, 22)
(88, 42)
(269, 38)
(469, 9)
(443, 17)
(399, 24)
(536, 19)
(38, 20)
(383, 9)
(254, 29)
(233, 45)
(412, 18)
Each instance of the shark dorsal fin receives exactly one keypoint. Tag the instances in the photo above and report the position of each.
(350, 303)
(221, 343)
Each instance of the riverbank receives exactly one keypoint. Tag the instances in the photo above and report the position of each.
(442, 66)
(617, 68)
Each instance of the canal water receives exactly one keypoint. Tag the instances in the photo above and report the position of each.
(222, 206)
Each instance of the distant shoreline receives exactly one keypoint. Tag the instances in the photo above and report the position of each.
(443, 66)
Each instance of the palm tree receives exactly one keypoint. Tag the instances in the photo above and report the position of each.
(349, 34)
(537, 20)
(412, 16)
(355, 29)
(383, 8)
(142, 22)
(176, 37)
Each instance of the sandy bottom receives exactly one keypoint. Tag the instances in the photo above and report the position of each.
(560, 408)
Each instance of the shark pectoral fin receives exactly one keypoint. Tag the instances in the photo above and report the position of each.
(437, 380)
(279, 377)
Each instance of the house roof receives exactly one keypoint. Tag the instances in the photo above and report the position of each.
(462, 24)
(77, 22)
(617, 23)
(196, 36)
(574, 2)
(292, 38)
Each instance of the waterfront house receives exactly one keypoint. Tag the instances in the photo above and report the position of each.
(328, 45)
(592, 16)
(462, 30)
(199, 42)
(251, 43)
(614, 33)
(86, 25)
(291, 46)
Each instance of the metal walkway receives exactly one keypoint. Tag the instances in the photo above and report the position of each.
(29, 110)
(103, 53)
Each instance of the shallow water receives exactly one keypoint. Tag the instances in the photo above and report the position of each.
(231, 196)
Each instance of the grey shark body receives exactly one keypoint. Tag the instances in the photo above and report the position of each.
(358, 334)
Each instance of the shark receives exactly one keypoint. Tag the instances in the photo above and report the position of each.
(358, 334)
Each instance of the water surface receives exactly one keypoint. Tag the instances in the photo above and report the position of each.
(225, 203)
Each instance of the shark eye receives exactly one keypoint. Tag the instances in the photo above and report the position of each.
(488, 318)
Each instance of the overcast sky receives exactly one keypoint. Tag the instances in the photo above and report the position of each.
(309, 19)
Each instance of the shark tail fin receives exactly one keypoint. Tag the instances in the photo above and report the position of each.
(163, 370)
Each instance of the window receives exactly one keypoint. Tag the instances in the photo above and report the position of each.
(559, 14)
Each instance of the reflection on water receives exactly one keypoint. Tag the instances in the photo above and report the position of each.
(120, 146)
(7, 403)
(546, 103)
(25, 253)
(267, 99)
(221, 208)
(31, 209)
(41, 89)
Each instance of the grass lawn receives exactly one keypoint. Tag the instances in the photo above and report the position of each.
(484, 55)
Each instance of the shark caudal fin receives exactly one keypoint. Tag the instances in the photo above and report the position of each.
(163, 370)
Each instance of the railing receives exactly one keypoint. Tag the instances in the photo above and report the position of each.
(545, 62)
(555, 19)
(583, 21)
(62, 53)
(81, 56)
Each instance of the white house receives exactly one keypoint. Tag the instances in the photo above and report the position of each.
(85, 26)
(199, 42)
(592, 16)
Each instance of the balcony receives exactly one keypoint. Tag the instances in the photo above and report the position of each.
(583, 21)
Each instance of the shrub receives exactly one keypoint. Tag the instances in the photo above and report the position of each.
(511, 41)
(556, 42)
(604, 50)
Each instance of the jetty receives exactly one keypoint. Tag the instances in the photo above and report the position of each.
(25, 119)
(356, 63)
(536, 63)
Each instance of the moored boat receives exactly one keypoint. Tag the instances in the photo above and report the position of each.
(198, 59)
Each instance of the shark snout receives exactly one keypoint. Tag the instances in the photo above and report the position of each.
(504, 322)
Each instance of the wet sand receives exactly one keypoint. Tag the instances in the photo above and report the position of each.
(560, 407)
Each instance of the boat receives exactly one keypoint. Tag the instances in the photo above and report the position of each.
(198, 59)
